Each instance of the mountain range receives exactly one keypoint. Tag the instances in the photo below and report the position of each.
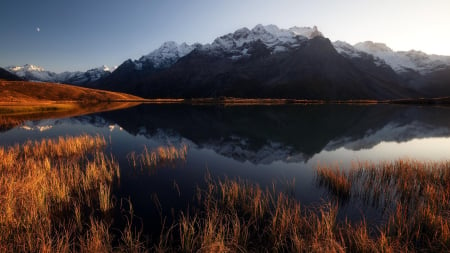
(36, 73)
(267, 61)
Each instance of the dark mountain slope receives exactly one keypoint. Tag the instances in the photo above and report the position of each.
(6, 75)
(314, 70)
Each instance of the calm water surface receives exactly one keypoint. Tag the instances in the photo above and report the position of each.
(261, 144)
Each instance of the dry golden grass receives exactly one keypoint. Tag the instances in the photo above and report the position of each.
(13, 115)
(9, 122)
(55, 196)
(236, 216)
(335, 180)
(415, 195)
(159, 156)
(22, 100)
(33, 92)
(236, 101)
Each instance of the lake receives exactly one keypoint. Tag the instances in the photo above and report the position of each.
(262, 144)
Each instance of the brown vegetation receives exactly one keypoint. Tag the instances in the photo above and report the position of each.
(55, 196)
(235, 101)
(237, 216)
(22, 100)
(13, 115)
(9, 122)
(415, 195)
(160, 156)
(335, 180)
(37, 92)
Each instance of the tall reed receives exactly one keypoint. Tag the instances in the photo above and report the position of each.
(55, 196)
(159, 156)
(7, 123)
(414, 195)
(237, 216)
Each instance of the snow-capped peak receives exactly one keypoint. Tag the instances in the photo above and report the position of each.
(274, 38)
(402, 61)
(104, 68)
(26, 67)
(373, 47)
(346, 49)
(307, 32)
(167, 54)
(381, 52)
(32, 72)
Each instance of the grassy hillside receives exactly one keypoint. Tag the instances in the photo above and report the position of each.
(35, 92)
(22, 100)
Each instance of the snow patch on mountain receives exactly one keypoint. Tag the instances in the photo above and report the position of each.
(346, 49)
(404, 61)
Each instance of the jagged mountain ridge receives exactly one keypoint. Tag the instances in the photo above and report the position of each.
(36, 73)
(263, 62)
(267, 61)
(232, 44)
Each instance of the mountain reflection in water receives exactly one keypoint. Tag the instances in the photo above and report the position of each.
(265, 134)
(261, 134)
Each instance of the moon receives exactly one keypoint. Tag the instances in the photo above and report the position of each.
(38, 29)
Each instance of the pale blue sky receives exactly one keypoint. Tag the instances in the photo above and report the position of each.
(82, 34)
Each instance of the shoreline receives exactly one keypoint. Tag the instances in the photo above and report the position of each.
(39, 106)
(232, 101)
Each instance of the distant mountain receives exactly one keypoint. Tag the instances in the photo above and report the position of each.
(262, 62)
(36, 73)
(6, 75)
(428, 75)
